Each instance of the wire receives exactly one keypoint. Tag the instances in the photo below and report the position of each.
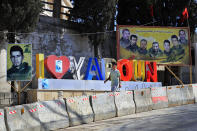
(95, 33)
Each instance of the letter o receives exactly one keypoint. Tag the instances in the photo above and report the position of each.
(127, 64)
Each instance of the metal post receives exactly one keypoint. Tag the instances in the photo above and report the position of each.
(19, 92)
(190, 72)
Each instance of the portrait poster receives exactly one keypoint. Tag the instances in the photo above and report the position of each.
(165, 45)
(19, 62)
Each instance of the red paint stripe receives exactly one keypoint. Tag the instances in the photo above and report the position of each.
(159, 98)
(117, 94)
(94, 97)
(85, 99)
(40, 106)
(71, 101)
(33, 110)
(12, 112)
(1, 114)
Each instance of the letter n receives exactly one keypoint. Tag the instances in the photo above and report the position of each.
(151, 71)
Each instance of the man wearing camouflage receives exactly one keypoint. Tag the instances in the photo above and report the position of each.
(133, 46)
(143, 45)
(177, 51)
(124, 41)
(155, 51)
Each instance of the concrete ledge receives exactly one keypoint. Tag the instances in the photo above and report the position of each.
(91, 85)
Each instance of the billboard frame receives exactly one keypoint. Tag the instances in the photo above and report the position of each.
(168, 27)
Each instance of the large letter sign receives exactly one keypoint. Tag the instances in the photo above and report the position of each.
(129, 72)
(93, 70)
(151, 71)
(136, 70)
(76, 68)
(57, 66)
(40, 65)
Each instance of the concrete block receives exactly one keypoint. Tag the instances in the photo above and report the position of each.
(103, 106)
(187, 94)
(124, 103)
(2, 96)
(7, 95)
(142, 99)
(79, 110)
(159, 97)
(52, 114)
(4, 86)
(174, 96)
(2, 121)
(13, 118)
(5, 102)
(30, 115)
(23, 118)
(194, 87)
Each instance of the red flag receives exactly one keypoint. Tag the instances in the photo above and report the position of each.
(185, 13)
(184, 16)
(151, 10)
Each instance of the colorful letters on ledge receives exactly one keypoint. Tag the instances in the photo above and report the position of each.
(129, 69)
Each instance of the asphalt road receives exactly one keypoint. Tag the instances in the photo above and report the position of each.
(180, 118)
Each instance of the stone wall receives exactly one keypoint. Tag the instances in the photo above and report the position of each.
(53, 37)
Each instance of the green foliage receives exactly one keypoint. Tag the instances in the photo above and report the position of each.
(19, 15)
(94, 16)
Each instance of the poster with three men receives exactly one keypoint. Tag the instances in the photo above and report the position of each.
(164, 45)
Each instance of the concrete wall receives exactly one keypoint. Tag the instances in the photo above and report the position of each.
(53, 37)
(4, 86)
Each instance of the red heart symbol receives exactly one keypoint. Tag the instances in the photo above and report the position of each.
(57, 66)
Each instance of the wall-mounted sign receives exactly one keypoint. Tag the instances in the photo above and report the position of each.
(130, 70)
(164, 45)
(19, 64)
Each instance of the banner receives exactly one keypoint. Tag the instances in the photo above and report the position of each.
(19, 62)
(164, 45)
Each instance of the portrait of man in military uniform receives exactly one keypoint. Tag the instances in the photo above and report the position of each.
(182, 37)
(167, 50)
(133, 46)
(124, 41)
(177, 51)
(19, 69)
(155, 51)
(143, 47)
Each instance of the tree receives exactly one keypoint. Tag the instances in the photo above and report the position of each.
(164, 13)
(94, 16)
(19, 16)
